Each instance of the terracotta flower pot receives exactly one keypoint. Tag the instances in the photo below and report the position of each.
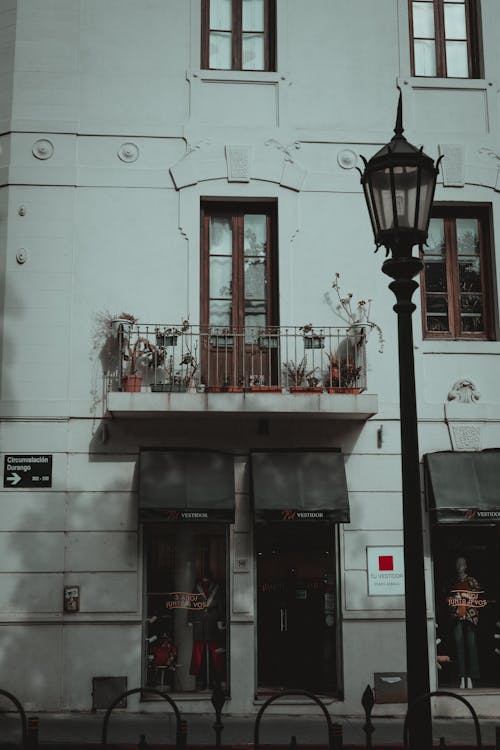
(132, 383)
(337, 389)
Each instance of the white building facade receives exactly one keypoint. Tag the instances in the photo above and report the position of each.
(201, 453)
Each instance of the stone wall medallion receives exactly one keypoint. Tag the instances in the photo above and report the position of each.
(347, 158)
(128, 152)
(42, 148)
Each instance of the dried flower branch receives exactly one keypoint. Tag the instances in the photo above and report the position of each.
(357, 314)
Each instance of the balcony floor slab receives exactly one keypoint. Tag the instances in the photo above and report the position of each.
(316, 406)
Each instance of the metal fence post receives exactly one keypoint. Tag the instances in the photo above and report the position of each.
(368, 701)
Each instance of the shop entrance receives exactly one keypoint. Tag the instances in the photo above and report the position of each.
(479, 547)
(296, 607)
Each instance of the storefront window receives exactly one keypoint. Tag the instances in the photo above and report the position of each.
(186, 633)
(467, 589)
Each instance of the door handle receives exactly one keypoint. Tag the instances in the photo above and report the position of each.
(283, 620)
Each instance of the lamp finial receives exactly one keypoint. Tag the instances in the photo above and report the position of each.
(398, 130)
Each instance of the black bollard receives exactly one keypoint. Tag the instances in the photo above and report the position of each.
(293, 742)
(337, 737)
(181, 740)
(218, 700)
(142, 742)
(32, 733)
(497, 738)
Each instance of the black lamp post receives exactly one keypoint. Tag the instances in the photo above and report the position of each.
(399, 184)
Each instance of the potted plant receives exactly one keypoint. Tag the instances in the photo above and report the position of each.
(342, 377)
(139, 356)
(166, 337)
(312, 339)
(268, 338)
(299, 378)
(122, 323)
(313, 382)
(257, 384)
(221, 338)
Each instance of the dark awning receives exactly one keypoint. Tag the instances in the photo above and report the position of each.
(463, 487)
(186, 486)
(300, 486)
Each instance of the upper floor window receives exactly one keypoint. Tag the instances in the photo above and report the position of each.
(445, 38)
(238, 34)
(456, 281)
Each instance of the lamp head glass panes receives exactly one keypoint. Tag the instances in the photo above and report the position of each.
(399, 183)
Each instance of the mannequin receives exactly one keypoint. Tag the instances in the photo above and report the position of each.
(207, 622)
(463, 602)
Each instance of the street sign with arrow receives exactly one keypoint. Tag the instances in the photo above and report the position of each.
(32, 471)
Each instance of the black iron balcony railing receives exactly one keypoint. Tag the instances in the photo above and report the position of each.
(191, 358)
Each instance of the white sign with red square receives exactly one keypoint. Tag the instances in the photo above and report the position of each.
(386, 571)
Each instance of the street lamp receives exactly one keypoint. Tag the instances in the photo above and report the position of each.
(399, 183)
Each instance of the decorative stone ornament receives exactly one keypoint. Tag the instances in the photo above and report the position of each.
(347, 159)
(464, 391)
(21, 256)
(128, 152)
(42, 148)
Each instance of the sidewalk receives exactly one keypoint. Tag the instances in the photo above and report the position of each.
(69, 729)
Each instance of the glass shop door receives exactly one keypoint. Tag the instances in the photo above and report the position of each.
(296, 607)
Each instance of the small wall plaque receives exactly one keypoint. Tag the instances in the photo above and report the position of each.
(238, 163)
(72, 598)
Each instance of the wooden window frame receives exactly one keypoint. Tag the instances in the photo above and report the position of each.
(236, 210)
(450, 214)
(473, 24)
(236, 45)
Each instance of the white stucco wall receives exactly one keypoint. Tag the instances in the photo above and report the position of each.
(100, 233)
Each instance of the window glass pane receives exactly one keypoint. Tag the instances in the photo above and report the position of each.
(471, 306)
(255, 231)
(435, 276)
(253, 15)
(253, 51)
(221, 14)
(435, 239)
(469, 274)
(255, 278)
(454, 22)
(437, 313)
(220, 50)
(255, 315)
(437, 304)
(186, 607)
(220, 314)
(425, 57)
(468, 236)
(221, 235)
(221, 277)
(457, 65)
(423, 20)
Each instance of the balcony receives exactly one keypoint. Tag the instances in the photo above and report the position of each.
(174, 369)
